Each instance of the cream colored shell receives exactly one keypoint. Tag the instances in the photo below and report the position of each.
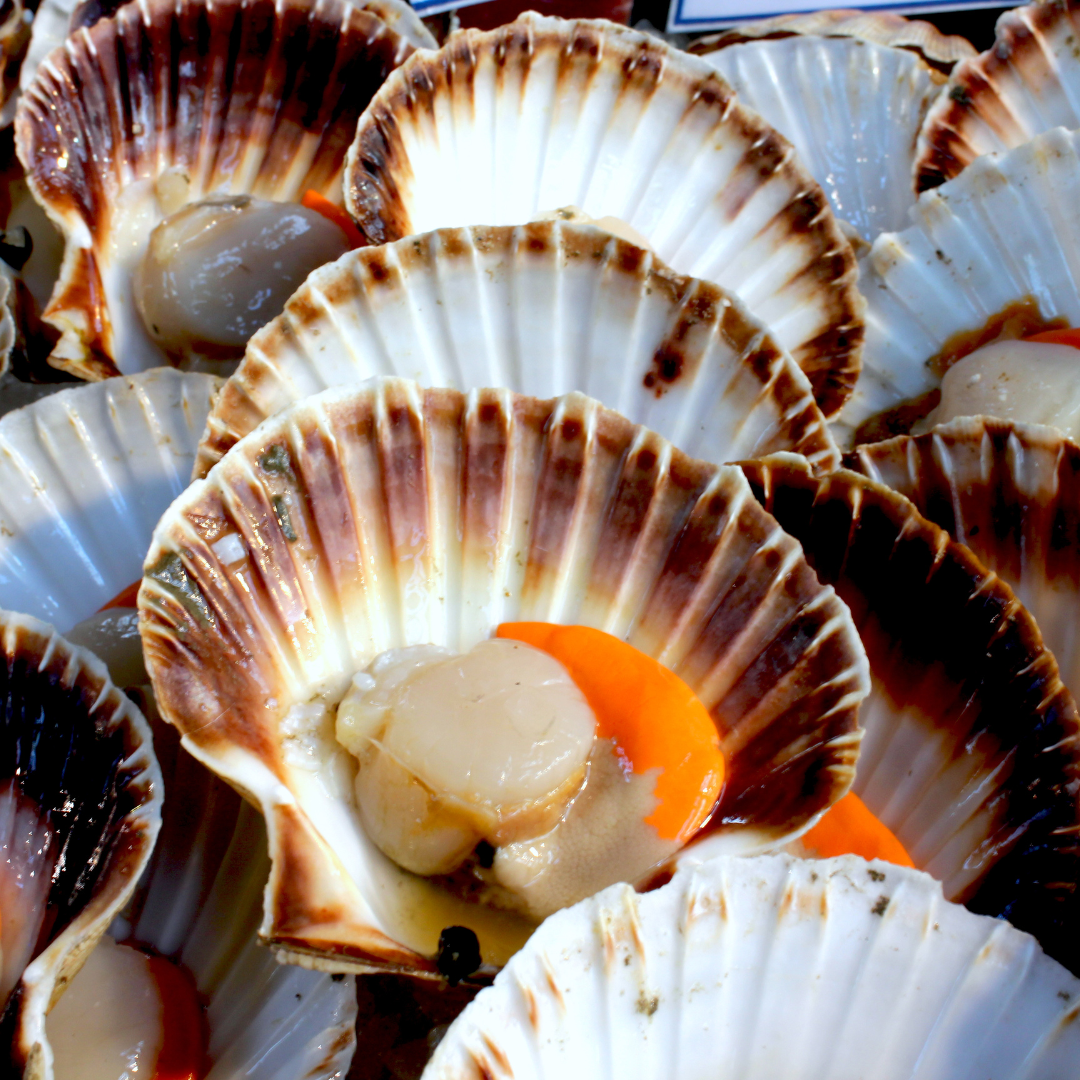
(752, 969)
(365, 519)
(542, 309)
(499, 127)
(117, 106)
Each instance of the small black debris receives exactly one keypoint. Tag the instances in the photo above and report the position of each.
(485, 855)
(459, 953)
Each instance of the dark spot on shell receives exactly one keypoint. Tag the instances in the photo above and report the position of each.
(880, 906)
(459, 953)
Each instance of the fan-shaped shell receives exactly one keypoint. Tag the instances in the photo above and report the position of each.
(14, 34)
(406, 516)
(940, 51)
(261, 97)
(79, 753)
(542, 309)
(84, 477)
(1026, 83)
(754, 968)
(1011, 493)
(852, 110)
(993, 253)
(498, 127)
(972, 748)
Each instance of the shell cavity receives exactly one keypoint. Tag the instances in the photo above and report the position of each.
(260, 98)
(541, 309)
(76, 750)
(366, 519)
(993, 253)
(851, 109)
(499, 127)
(1026, 83)
(972, 747)
(816, 958)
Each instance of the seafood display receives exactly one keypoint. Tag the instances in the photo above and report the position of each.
(543, 310)
(746, 967)
(501, 127)
(566, 545)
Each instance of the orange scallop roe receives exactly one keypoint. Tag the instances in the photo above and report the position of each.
(184, 1033)
(654, 718)
(849, 828)
(312, 200)
(1057, 337)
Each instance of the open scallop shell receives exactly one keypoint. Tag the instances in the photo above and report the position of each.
(940, 51)
(84, 477)
(120, 104)
(542, 309)
(756, 968)
(1026, 83)
(408, 516)
(79, 753)
(852, 110)
(1011, 493)
(499, 127)
(993, 253)
(972, 747)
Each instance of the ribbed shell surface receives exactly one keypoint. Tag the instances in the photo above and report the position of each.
(80, 752)
(972, 747)
(541, 309)
(244, 96)
(1026, 83)
(361, 520)
(498, 127)
(751, 969)
(851, 109)
(993, 253)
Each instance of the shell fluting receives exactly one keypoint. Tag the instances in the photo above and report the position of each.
(541, 309)
(972, 747)
(408, 516)
(1026, 83)
(80, 752)
(543, 113)
(256, 97)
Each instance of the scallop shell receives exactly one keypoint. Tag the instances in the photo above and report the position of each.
(940, 51)
(14, 34)
(403, 516)
(501, 126)
(757, 968)
(993, 253)
(541, 309)
(851, 109)
(80, 752)
(84, 477)
(972, 747)
(118, 106)
(1010, 493)
(1026, 83)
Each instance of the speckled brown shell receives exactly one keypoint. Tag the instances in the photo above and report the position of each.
(243, 96)
(501, 126)
(80, 752)
(940, 51)
(972, 747)
(542, 309)
(365, 519)
(1026, 83)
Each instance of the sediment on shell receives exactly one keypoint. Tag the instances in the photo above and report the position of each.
(118, 105)
(972, 748)
(535, 106)
(366, 519)
(542, 309)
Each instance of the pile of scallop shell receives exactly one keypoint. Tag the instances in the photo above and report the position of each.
(522, 510)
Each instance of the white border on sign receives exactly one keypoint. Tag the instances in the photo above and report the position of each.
(695, 16)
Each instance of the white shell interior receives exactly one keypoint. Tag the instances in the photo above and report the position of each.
(851, 108)
(753, 969)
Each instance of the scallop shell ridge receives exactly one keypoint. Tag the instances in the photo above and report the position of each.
(604, 317)
(61, 708)
(116, 106)
(814, 957)
(972, 747)
(535, 106)
(440, 516)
